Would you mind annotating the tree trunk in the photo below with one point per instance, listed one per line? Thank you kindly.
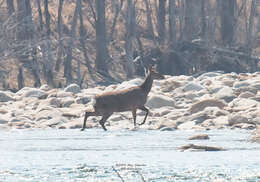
(118, 9)
(33, 44)
(60, 46)
(250, 34)
(227, 13)
(20, 78)
(172, 22)
(10, 7)
(49, 64)
(192, 13)
(203, 20)
(161, 20)
(149, 19)
(68, 65)
(130, 37)
(83, 33)
(102, 55)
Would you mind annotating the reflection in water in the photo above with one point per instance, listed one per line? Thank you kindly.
(94, 155)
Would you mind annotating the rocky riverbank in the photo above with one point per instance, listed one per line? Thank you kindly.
(212, 100)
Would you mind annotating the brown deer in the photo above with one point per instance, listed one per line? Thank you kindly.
(129, 99)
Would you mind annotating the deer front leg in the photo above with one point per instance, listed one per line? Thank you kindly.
(134, 116)
(147, 112)
(87, 114)
(104, 119)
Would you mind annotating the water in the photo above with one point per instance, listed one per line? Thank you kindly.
(143, 155)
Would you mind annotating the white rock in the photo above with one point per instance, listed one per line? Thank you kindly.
(237, 118)
(156, 101)
(225, 93)
(73, 88)
(32, 92)
(193, 86)
(187, 125)
(4, 97)
(240, 84)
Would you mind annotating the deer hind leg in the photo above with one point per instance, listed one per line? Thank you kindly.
(104, 119)
(87, 114)
(147, 112)
(134, 116)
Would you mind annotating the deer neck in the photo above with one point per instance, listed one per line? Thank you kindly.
(147, 84)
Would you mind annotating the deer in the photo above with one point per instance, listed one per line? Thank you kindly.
(129, 99)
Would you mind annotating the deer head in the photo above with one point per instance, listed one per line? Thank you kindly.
(154, 74)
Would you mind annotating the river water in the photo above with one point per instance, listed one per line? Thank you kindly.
(142, 155)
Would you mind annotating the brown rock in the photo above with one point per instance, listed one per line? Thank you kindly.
(199, 137)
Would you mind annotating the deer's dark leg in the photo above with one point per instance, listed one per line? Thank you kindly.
(147, 112)
(104, 119)
(134, 116)
(87, 114)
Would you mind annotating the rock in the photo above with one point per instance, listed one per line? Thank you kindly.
(62, 94)
(3, 121)
(237, 118)
(221, 121)
(54, 122)
(75, 124)
(225, 93)
(243, 104)
(45, 87)
(209, 74)
(200, 148)
(83, 100)
(4, 97)
(187, 125)
(167, 129)
(66, 102)
(240, 84)
(192, 87)
(245, 126)
(201, 105)
(157, 101)
(246, 95)
(52, 101)
(32, 92)
(73, 88)
(199, 137)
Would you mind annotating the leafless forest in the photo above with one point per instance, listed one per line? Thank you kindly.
(90, 42)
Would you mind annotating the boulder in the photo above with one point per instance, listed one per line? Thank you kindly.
(193, 147)
(225, 93)
(157, 101)
(66, 102)
(187, 125)
(246, 95)
(4, 97)
(199, 137)
(237, 118)
(201, 105)
(193, 86)
(32, 92)
(73, 88)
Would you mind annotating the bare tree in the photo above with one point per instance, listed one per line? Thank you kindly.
(60, 41)
(130, 26)
(149, 18)
(50, 61)
(118, 7)
(68, 65)
(161, 17)
(172, 21)
(227, 14)
(102, 55)
(10, 6)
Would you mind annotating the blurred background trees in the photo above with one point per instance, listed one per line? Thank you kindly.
(91, 42)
